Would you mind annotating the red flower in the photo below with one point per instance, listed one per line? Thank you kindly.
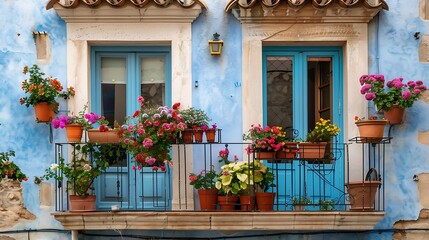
(176, 106)
(136, 113)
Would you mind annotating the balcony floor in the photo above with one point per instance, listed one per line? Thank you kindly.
(190, 220)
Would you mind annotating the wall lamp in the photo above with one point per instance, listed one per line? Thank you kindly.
(216, 45)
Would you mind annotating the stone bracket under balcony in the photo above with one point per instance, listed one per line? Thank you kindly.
(180, 220)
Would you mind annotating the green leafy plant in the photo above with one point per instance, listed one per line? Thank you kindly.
(42, 89)
(395, 92)
(239, 175)
(204, 180)
(303, 200)
(80, 172)
(323, 131)
(8, 169)
(326, 205)
(195, 118)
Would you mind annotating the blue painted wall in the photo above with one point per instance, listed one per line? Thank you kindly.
(393, 52)
(18, 129)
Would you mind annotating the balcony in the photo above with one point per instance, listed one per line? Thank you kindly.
(156, 200)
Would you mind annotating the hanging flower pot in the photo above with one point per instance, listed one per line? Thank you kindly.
(371, 130)
(198, 135)
(210, 135)
(362, 194)
(95, 135)
(44, 112)
(312, 149)
(265, 155)
(74, 132)
(395, 115)
(187, 136)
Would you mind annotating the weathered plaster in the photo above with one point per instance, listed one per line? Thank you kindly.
(12, 209)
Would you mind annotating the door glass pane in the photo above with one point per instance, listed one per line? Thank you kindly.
(113, 91)
(319, 89)
(279, 91)
(153, 80)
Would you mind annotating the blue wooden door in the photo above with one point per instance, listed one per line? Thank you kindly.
(119, 76)
(300, 86)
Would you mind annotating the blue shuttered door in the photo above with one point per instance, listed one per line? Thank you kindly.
(300, 86)
(119, 76)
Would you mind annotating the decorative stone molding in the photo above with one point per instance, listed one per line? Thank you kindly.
(262, 221)
(305, 11)
(129, 11)
(12, 208)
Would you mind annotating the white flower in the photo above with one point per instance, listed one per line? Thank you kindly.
(87, 167)
(54, 166)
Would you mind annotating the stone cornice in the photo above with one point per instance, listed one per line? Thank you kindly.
(304, 11)
(128, 13)
(285, 221)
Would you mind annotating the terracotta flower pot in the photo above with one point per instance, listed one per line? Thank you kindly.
(362, 194)
(395, 115)
(265, 201)
(208, 199)
(371, 130)
(187, 136)
(82, 203)
(247, 202)
(312, 150)
(74, 132)
(227, 203)
(95, 135)
(198, 136)
(265, 155)
(210, 135)
(43, 112)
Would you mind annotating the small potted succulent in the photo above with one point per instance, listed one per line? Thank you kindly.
(299, 203)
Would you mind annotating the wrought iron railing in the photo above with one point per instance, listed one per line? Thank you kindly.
(320, 181)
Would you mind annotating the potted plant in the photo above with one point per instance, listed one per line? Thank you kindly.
(363, 192)
(326, 205)
(393, 98)
(196, 119)
(42, 93)
(149, 133)
(235, 179)
(317, 139)
(102, 133)
(299, 203)
(74, 124)
(264, 180)
(204, 182)
(265, 141)
(79, 175)
(210, 132)
(9, 171)
(371, 130)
